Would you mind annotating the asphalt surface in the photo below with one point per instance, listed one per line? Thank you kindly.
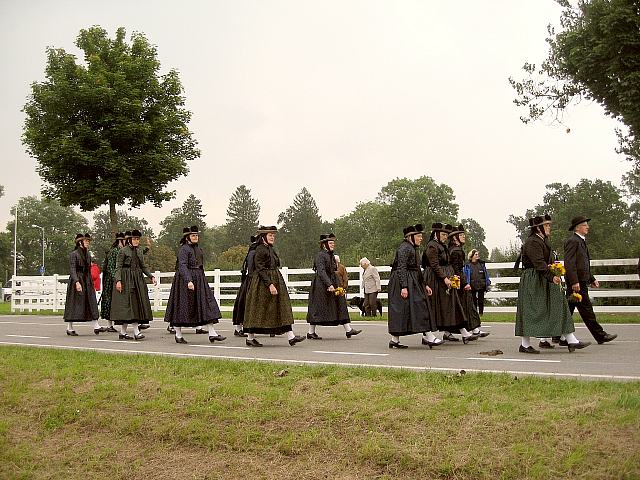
(617, 360)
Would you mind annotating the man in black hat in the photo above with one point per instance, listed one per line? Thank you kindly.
(579, 277)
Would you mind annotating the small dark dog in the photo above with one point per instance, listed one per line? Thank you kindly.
(359, 302)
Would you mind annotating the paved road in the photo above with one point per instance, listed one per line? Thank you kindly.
(618, 360)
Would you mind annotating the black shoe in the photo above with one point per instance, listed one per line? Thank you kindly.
(201, 331)
(253, 343)
(607, 338)
(124, 336)
(482, 334)
(144, 326)
(296, 339)
(140, 336)
(449, 336)
(545, 344)
(563, 343)
(577, 346)
(431, 344)
(555, 339)
(529, 349)
(352, 332)
(99, 330)
(240, 333)
(170, 329)
(469, 338)
(72, 333)
(180, 340)
(219, 338)
(393, 344)
(272, 335)
(111, 329)
(313, 336)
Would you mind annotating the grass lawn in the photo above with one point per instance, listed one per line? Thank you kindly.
(89, 415)
(5, 309)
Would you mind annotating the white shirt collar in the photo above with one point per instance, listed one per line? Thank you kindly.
(582, 237)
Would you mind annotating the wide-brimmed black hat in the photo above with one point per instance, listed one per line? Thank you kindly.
(135, 233)
(119, 236)
(127, 234)
(87, 236)
(412, 230)
(325, 237)
(457, 230)
(448, 228)
(575, 221)
(270, 229)
(438, 227)
(253, 238)
(539, 220)
(79, 236)
(186, 231)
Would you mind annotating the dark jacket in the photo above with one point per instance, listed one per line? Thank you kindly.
(536, 254)
(482, 267)
(576, 261)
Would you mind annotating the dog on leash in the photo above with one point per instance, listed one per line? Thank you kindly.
(359, 302)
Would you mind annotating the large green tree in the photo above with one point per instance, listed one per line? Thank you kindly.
(101, 232)
(595, 55)
(111, 130)
(60, 224)
(243, 213)
(190, 213)
(612, 232)
(301, 226)
(475, 236)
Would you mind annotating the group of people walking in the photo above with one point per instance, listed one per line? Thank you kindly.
(428, 292)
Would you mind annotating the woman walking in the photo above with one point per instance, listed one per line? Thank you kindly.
(191, 302)
(108, 273)
(130, 298)
(445, 301)
(326, 307)
(409, 311)
(542, 308)
(81, 304)
(241, 298)
(268, 307)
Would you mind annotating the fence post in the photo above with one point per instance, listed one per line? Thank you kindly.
(216, 283)
(55, 292)
(285, 274)
(157, 299)
(360, 287)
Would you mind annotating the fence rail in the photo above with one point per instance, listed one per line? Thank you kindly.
(29, 293)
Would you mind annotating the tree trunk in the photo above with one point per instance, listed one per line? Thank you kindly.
(113, 217)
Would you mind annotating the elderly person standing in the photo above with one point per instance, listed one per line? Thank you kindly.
(579, 277)
(370, 286)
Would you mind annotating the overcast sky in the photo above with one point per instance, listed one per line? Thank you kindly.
(336, 96)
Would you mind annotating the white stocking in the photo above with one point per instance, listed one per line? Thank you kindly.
(212, 330)
(178, 332)
(526, 343)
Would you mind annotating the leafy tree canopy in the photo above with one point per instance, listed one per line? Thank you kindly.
(232, 258)
(103, 238)
(594, 56)
(111, 130)
(242, 216)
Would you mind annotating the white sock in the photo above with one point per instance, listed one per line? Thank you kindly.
(212, 330)
(178, 332)
(251, 336)
(571, 338)
(465, 332)
(562, 337)
(546, 339)
(347, 327)
(238, 328)
(109, 323)
(69, 326)
(95, 324)
(395, 339)
(526, 343)
(290, 335)
(430, 336)
(136, 330)
(123, 329)
(312, 329)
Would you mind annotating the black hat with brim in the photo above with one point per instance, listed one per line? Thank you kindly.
(325, 237)
(413, 230)
(438, 227)
(575, 221)
(79, 236)
(135, 233)
(457, 230)
(539, 220)
(269, 229)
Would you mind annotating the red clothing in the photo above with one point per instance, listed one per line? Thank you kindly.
(95, 276)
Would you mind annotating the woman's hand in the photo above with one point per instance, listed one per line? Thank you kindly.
(78, 287)
(153, 280)
(404, 293)
(190, 286)
(467, 287)
(331, 289)
(556, 280)
(447, 282)
(119, 286)
(273, 290)
(429, 291)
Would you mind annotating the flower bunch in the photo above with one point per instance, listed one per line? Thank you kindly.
(339, 292)
(557, 268)
(455, 282)
(575, 297)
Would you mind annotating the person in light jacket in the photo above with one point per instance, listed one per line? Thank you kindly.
(370, 286)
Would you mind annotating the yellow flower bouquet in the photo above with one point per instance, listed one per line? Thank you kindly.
(557, 268)
(455, 282)
(339, 292)
(575, 297)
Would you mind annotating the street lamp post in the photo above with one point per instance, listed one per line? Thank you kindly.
(41, 266)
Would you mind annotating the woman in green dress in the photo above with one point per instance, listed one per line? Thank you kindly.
(542, 308)
(108, 272)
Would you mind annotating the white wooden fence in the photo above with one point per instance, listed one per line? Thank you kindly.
(31, 293)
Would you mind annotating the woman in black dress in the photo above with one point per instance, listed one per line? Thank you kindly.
(191, 301)
(241, 298)
(325, 307)
(108, 272)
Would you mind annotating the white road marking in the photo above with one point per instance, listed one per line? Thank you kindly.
(116, 341)
(352, 353)
(59, 324)
(526, 360)
(24, 336)
(220, 346)
(344, 364)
